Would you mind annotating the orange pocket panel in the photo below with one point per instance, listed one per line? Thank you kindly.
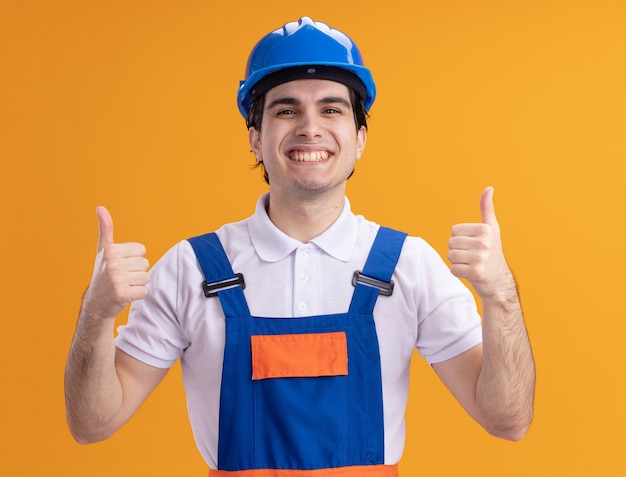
(299, 355)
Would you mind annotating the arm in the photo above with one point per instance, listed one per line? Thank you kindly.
(104, 386)
(495, 381)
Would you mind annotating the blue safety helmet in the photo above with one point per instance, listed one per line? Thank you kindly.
(304, 49)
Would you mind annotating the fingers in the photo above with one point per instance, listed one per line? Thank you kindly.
(126, 272)
(469, 254)
(469, 230)
(128, 279)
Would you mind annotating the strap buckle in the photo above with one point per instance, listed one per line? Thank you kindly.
(384, 288)
(211, 289)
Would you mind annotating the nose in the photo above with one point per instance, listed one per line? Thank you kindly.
(309, 125)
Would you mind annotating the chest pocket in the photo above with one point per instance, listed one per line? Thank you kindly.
(299, 355)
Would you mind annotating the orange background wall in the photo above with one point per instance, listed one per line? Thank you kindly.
(131, 104)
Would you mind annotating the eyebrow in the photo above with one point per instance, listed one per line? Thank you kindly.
(290, 101)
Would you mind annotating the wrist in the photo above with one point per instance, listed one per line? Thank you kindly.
(93, 311)
(504, 295)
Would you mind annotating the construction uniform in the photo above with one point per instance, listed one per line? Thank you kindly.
(310, 388)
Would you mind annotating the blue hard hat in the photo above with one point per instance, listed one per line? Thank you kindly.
(304, 49)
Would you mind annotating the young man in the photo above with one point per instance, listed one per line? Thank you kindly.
(295, 327)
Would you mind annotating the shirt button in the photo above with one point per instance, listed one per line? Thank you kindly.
(304, 278)
(302, 307)
(304, 254)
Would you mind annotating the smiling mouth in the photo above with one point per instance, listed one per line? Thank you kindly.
(308, 156)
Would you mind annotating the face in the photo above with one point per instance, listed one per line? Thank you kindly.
(308, 141)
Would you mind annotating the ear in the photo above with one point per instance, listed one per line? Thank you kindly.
(254, 139)
(361, 139)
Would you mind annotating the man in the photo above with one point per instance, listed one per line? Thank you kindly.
(295, 327)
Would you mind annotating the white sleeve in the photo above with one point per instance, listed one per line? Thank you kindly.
(153, 333)
(448, 320)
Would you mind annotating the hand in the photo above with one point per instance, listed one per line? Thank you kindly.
(120, 272)
(476, 253)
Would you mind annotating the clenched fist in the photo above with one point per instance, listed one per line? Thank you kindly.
(475, 253)
(120, 272)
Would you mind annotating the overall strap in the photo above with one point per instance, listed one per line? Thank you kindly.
(375, 278)
(219, 277)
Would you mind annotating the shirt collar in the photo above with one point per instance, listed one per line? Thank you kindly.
(273, 245)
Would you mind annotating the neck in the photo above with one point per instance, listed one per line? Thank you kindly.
(304, 220)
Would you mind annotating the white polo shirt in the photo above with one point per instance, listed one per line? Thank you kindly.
(430, 309)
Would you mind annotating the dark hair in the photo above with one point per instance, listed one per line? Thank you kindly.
(255, 118)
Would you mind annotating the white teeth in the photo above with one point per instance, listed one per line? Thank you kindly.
(315, 156)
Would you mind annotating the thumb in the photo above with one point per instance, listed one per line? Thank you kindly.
(105, 228)
(487, 209)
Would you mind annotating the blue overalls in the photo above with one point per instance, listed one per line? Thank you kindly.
(301, 396)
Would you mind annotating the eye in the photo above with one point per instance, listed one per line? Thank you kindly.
(285, 112)
(332, 111)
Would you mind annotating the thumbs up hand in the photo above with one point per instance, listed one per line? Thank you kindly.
(475, 253)
(120, 272)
